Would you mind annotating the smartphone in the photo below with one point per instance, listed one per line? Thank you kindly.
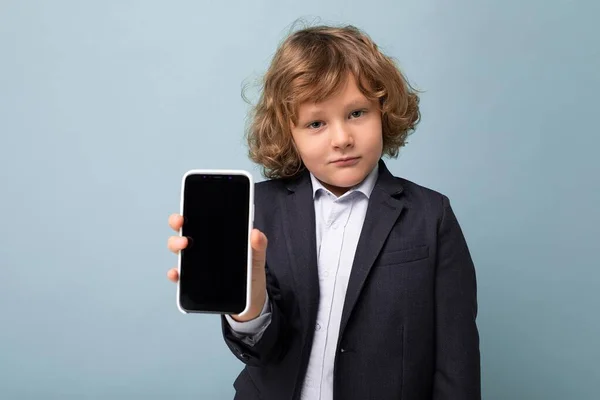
(215, 269)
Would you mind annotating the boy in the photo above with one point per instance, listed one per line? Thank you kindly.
(366, 289)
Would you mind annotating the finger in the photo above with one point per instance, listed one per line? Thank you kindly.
(259, 242)
(173, 275)
(175, 222)
(177, 243)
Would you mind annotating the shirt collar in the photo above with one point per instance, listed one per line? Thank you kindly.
(365, 187)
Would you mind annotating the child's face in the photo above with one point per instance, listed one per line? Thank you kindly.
(340, 139)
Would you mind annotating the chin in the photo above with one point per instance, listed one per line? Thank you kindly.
(350, 180)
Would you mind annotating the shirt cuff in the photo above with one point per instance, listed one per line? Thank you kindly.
(251, 331)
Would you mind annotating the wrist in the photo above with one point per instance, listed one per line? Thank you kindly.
(255, 310)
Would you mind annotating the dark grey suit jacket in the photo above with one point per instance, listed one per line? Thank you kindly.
(408, 328)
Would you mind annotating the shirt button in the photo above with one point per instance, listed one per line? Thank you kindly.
(317, 327)
(326, 274)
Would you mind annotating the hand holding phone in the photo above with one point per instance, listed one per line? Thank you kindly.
(258, 241)
(221, 259)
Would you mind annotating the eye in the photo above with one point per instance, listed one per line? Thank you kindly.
(357, 113)
(315, 125)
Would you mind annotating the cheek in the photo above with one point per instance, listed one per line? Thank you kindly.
(374, 138)
(378, 135)
(380, 141)
(308, 149)
(310, 143)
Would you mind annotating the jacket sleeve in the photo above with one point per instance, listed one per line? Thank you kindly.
(457, 373)
(270, 344)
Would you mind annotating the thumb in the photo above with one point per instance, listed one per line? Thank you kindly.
(258, 241)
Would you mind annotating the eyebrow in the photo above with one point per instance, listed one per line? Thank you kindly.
(358, 103)
(315, 112)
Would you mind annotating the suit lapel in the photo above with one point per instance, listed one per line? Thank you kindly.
(299, 229)
(384, 209)
(298, 215)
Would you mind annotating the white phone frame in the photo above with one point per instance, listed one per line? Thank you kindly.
(250, 226)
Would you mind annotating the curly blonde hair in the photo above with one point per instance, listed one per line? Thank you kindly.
(312, 64)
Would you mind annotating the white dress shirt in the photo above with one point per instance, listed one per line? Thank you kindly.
(339, 221)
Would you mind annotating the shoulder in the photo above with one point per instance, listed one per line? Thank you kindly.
(267, 193)
(423, 197)
(270, 187)
(267, 201)
(414, 189)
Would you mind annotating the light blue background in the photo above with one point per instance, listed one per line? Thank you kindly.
(104, 105)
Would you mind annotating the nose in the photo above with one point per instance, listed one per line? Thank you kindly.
(341, 137)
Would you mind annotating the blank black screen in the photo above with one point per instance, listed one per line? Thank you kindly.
(214, 268)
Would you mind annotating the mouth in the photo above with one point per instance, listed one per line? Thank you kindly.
(345, 160)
